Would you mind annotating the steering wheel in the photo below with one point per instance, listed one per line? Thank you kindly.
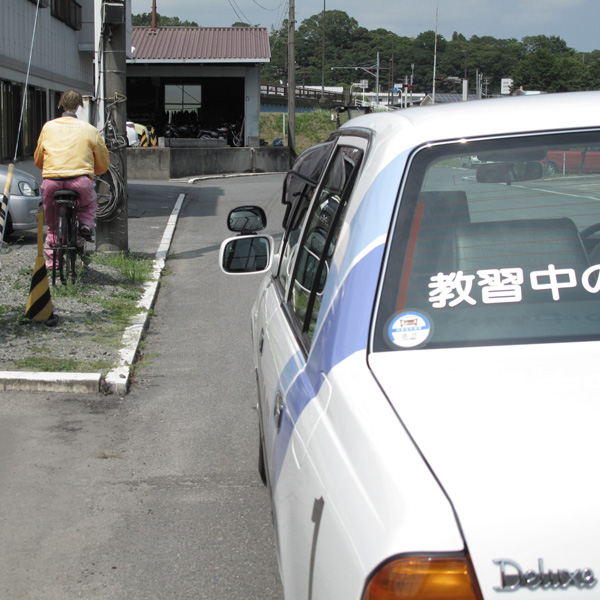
(594, 250)
(588, 231)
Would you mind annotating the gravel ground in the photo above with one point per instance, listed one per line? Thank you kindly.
(85, 331)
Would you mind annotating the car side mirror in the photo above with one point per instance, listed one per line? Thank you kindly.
(246, 254)
(247, 219)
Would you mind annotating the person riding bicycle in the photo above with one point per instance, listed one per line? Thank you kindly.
(70, 152)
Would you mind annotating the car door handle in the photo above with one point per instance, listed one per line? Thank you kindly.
(261, 341)
(278, 409)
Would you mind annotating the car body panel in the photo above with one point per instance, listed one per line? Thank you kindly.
(507, 464)
(336, 456)
(575, 160)
(487, 450)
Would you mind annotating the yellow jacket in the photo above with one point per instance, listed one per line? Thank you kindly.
(68, 147)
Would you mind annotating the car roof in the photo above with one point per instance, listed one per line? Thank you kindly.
(511, 115)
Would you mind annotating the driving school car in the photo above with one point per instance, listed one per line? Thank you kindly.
(426, 345)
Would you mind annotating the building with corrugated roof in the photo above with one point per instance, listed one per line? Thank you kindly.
(184, 79)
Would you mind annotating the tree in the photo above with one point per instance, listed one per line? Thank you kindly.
(553, 43)
(538, 71)
(276, 70)
(341, 33)
(494, 59)
(537, 62)
(145, 20)
(592, 78)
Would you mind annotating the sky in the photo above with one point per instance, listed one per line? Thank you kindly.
(577, 22)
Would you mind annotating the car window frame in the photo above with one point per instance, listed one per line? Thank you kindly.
(293, 221)
(301, 326)
(406, 205)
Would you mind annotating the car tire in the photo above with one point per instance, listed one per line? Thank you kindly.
(8, 226)
(552, 168)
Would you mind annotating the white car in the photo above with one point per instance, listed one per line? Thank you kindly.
(426, 343)
(24, 202)
(133, 139)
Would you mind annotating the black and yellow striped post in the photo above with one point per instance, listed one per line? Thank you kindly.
(39, 302)
(153, 136)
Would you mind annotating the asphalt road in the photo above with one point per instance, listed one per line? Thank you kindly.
(154, 495)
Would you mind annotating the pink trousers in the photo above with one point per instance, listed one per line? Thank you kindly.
(87, 205)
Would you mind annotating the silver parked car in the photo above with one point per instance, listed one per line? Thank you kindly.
(25, 200)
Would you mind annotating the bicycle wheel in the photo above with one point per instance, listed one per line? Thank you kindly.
(67, 244)
(72, 248)
(63, 242)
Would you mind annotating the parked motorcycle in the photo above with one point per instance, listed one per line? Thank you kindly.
(211, 134)
(232, 134)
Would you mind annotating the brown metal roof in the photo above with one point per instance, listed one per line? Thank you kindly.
(200, 44)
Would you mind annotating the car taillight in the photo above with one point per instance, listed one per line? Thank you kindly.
(424, 578)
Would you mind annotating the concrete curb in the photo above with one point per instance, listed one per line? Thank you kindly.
(50, 382)
(198, 178)
(118, 379)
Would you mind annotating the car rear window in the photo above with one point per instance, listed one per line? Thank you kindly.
(504, 251)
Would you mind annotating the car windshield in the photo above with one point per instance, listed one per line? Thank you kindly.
(505, 251)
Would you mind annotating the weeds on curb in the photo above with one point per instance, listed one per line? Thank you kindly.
(93, 315)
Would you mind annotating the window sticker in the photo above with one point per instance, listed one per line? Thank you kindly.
(500, 286)
(409, 330)
(452, 289)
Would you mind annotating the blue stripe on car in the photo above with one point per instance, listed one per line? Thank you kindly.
(344, 331)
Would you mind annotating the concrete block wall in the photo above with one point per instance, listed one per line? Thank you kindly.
(176, 163)
(149, 163)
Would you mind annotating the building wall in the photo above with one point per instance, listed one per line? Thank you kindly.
(57, 63)
(156, 73)
(252, 106)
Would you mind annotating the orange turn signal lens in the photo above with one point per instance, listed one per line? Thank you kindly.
(424, 578)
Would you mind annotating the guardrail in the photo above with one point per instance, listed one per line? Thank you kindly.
(302, 92)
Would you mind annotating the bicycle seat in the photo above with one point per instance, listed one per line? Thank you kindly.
(65, 196)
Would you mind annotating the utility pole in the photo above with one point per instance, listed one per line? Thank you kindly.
(435, 53)
(323, 58)
(368, 70)
(392, 71)
(112, 233)
(377, 83)
(292, 77)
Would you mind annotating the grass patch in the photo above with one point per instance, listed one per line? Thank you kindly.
(121, 307)
(60, 365)
(93, 314)
(134, 268)
(311, 128)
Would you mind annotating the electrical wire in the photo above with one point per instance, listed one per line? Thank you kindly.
(6, 201)
(112, 187)
(270, 9)
(37, 10)
(236, 8)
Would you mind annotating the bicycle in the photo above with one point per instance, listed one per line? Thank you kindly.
(65, 252)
